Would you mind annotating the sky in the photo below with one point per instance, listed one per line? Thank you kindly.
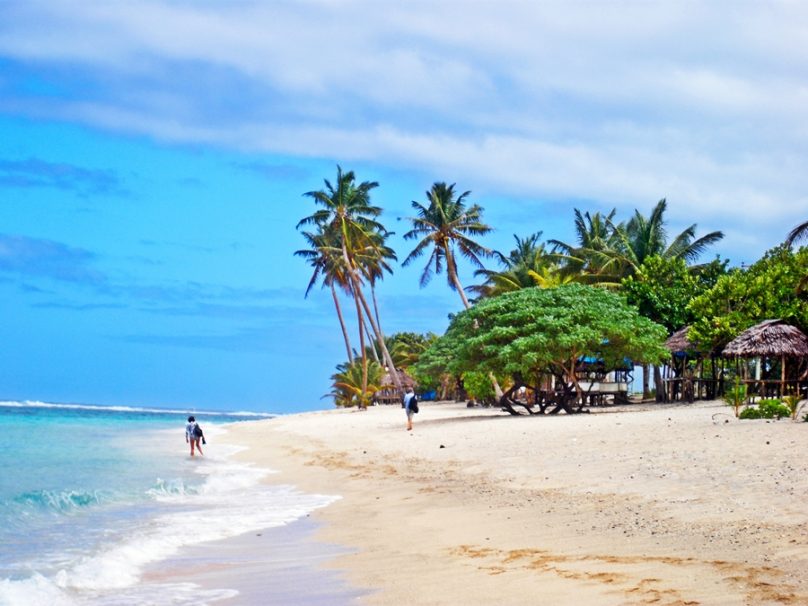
(154, 157)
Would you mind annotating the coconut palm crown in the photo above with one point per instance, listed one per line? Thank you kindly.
(444, 226)
(799, 232)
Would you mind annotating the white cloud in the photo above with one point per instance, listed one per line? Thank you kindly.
(623, 102)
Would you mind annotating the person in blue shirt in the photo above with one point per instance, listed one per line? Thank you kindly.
(408, 397)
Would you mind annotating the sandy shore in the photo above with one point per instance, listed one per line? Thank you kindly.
(667, 505)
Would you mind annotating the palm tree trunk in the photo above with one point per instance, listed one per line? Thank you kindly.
(371, 344)
(375, 304)
(342, 324)
(646, 392)
(456, 281)
(661, 396)
(360, 322)
(357, 290)
(382, 346)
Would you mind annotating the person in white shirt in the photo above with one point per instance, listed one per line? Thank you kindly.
(193, 433)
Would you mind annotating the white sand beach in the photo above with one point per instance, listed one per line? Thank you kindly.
(668, 505)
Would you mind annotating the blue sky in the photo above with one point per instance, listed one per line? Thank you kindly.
(154, 155)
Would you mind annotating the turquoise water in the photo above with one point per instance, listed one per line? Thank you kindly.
(91, 496)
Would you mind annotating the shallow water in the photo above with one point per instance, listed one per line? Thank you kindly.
(90, 497)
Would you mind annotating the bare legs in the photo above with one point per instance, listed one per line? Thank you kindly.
(195, 443)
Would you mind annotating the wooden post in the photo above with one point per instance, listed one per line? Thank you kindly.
(782, 375)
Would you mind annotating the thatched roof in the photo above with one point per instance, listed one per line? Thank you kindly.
(769, 338)
(406, 380)
(678, 343)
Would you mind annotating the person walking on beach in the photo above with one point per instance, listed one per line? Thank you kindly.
(193, 434)
(410, 406)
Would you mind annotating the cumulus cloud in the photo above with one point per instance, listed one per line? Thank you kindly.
(623, 102)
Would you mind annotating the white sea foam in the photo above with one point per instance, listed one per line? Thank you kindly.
(134, 409)
(232, 500)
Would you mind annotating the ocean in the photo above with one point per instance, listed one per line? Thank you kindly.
(93, 496)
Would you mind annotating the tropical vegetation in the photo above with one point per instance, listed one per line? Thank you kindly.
(615, 292)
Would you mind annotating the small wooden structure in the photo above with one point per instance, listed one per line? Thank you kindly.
(601, 385)
(775, 346)
(680, 382)
(389, 394)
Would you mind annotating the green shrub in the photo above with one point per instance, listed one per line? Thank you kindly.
(735, 396)
(766, 409)
(479, 386)
(793, 403)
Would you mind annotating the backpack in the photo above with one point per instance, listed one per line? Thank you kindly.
(414, 404)
(197, 431)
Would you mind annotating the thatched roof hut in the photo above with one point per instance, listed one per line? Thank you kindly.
(773, 339)
(769, 338)
(679, 344)
(406, 380)
(389, 394)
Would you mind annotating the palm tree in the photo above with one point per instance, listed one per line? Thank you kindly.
(609, 252)
(588, 260)
(528, 265)
(373, 263)
(643, 237)
(443, 226)
(353, 385)
(348, 219)
(799, 232)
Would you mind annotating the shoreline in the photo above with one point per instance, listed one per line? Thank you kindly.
(674, 504)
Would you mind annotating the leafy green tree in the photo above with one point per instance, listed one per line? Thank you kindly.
(741, 299)
(445, 227)
(407, 347)
(536, 331)
(479, 387)
(662, 289)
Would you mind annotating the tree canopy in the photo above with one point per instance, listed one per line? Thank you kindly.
(536, 330)
(770, 288)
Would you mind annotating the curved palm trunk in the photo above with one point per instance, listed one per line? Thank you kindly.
(382, 346)
(357, 290)
(361, 322)
(371, 344)
(376, 314)
(342, 324)
(456, 281)
(375, 303)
